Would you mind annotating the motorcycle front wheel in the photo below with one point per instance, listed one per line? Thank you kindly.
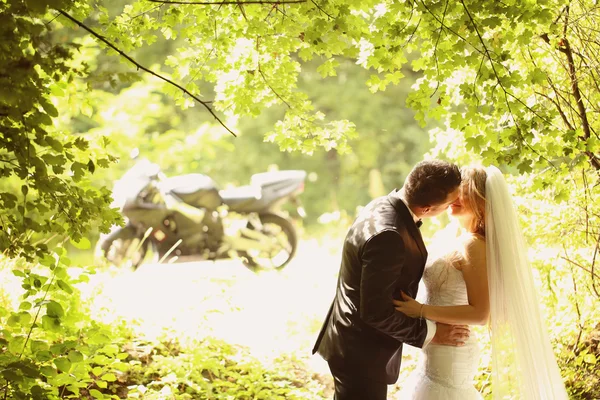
(283, 248)
(130, 252)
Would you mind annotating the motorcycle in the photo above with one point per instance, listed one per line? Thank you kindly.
(188, 215)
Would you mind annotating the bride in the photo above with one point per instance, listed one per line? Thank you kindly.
(484, 279)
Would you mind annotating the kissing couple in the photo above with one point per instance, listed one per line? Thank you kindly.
(479, 276)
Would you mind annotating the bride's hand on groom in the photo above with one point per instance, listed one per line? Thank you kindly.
(451, 335)
(409, 307)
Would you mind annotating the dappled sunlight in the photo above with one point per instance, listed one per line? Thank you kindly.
(270, 312)
(350, 95)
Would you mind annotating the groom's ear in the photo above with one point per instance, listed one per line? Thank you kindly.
(424, 209)
(421, 210)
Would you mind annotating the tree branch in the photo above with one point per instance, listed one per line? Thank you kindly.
(565, 47)
(271, 87)
(413, 33)
(139, 66)
(321, 9)
(145, 12)
(475, 80)
(37, 314)
(555, 102)
(592, 267)
(233, 2)
(11, 162)
(559, 108)
(586, 192)
(594, 274)
(437, 66)
(241, 7)
(486, 52)
(575, 87)
(571, 109)
(450, 29)
(581, 324)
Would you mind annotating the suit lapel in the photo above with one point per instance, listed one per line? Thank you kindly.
(406, 217)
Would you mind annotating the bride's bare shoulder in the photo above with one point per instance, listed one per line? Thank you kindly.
(474, 251)
(474, 239)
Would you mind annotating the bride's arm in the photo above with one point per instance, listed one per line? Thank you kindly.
(475, 275)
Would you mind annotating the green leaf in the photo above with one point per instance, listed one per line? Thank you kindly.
(63, 364)
(54, 310)
(49, 108)
(38, 393)
(37, 6)
(81, 144)
(48, 260)
(11, 375)
(97, 338)
(82, 244)
(55, 144)
(24, 318)
(50, 323)
(38, 345)
(57, 348)
(109, 377)
(590, 358)
(328, 68)
(102, 384)
(64, 286)
(48, 371)
(101, 359)
(13, 321)
(27, 368)
(16, 344)
(95, 393)
(525, 167)
(75, 356)
(110, 350)
(44, 355)
(86, 108)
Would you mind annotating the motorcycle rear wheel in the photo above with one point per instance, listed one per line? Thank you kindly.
(280, 228)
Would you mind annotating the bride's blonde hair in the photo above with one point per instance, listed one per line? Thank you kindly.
(472, 194)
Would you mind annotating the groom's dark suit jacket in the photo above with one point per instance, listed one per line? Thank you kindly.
(383, 255)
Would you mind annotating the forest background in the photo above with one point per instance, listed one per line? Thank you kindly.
(353, 92)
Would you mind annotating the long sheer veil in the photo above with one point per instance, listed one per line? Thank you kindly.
(523, 363)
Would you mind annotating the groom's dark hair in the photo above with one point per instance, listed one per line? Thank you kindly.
(430, 182)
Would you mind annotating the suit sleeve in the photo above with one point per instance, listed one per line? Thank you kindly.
(383, 260)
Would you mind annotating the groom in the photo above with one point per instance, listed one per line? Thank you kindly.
(383, 255)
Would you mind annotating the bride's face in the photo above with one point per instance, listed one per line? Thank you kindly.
(458, 209)
(469, 209)
(437, 209)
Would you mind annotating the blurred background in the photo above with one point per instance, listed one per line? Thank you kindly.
(190, 328)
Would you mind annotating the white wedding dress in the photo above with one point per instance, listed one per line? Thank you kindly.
(444, 372)
(523, 363)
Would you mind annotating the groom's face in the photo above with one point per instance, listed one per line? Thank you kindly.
(437, 209)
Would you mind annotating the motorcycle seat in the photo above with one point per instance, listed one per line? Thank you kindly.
(240, 195)
(195, 189)
(275, 177)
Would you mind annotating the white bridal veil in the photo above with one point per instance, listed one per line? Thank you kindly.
(523, 362)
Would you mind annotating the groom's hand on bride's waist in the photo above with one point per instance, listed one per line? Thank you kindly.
(451, 335)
